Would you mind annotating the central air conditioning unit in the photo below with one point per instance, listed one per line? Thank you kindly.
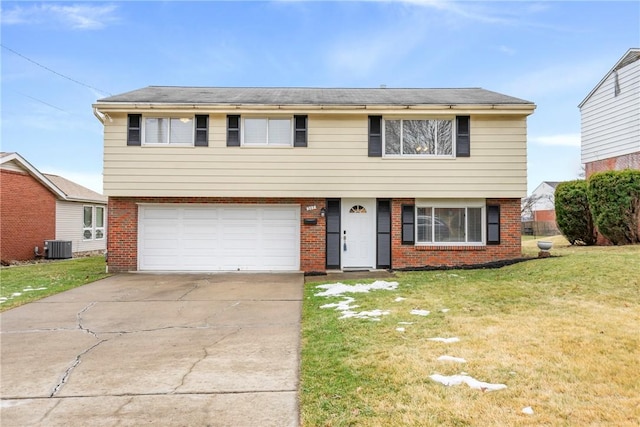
(57, 249)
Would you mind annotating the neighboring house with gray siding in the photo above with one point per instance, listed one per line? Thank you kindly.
(80, 216)
(610, 118)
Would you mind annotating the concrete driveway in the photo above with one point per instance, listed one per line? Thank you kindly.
(151, 349)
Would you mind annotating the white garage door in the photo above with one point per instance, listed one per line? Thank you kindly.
(221, 237)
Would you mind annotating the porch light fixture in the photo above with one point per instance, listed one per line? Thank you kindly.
(323, 212)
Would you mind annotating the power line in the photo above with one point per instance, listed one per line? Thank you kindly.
(41, 101)
(54, 72)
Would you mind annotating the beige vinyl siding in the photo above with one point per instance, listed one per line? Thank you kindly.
(611, 124)
(335, 164)
(69, 227)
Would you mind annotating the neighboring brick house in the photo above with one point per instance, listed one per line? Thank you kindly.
(35, 207)
(610, 117)
(312, 179)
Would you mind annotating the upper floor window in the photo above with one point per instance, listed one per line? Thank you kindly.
(164, 130)
(418, 137)
(267, 131)
(191, 130)
(93, 223)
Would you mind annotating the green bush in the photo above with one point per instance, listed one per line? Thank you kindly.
(614, 198)
(573, 214)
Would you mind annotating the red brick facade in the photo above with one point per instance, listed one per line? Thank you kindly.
(408, 256)
(27, 216)
(628, 161)
(123, 234)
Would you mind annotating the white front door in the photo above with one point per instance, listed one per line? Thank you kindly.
(358, 233)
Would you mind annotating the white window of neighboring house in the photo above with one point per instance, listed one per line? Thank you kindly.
(99, 223)
(267, 131)
(93, 223)
(166, 130)
(438, 223)
(433, 137)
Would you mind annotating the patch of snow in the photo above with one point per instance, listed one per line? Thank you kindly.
(373, 314)
(338, 289)
(342, 305)
(444, 310)
(16, 294)
(446, 358)
(470, 381)
(420, 312)
(453, 275)
(445, 340)
(405, 323)
(399, 299)
(400, 329)
(32, 289)
(528, 410)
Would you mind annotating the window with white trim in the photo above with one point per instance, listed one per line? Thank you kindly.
(168, 130)
(265, 131)
(429, 137)
(454, 223)
(93, 223)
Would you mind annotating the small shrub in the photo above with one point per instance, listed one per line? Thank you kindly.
(614, 198)
(573, 214)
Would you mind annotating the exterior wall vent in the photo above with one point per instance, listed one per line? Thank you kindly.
(57, 249)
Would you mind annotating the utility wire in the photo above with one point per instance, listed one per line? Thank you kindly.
(41, 101)
(53, 71)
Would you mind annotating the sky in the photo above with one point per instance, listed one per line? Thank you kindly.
(58, 58)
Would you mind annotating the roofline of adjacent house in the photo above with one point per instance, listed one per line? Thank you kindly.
(614, 68)
(35, 173)
(39, 176)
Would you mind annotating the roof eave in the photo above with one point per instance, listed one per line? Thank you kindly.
(105, 107)
(36, 174)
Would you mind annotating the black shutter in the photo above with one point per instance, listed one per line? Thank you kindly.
(134, 129)
(408, 224)
(333, 233)
(202, 131)
(383, 234)
(493, 224)
(233, 131)
(300, 133)
(375, 136)
(463, 136)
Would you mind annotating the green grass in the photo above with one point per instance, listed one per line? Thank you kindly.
(561, 333)
(25, 283)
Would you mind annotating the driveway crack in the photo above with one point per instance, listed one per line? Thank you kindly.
(70, 369)
(195, 286)
(204, 356)
(79, 320)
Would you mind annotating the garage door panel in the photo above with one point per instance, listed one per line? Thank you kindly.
(219, 237)
(163, 213)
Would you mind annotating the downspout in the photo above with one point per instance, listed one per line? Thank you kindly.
(98, 115)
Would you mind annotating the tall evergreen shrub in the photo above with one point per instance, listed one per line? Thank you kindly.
(573, 215)
(614, 198)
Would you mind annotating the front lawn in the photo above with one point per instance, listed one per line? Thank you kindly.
(552, 341)
(25, 283)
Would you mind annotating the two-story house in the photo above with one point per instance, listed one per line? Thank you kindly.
(610, 119)
(311, 179)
